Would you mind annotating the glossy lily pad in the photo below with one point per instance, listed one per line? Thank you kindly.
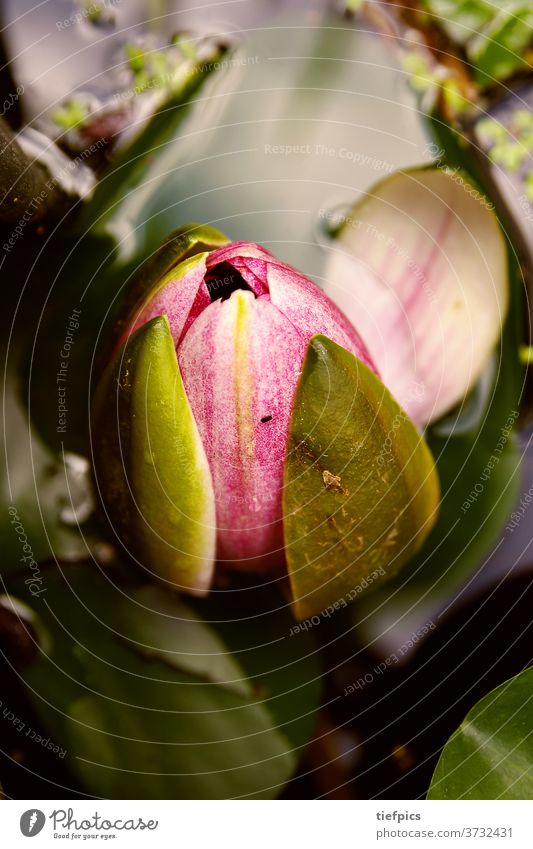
(360, 490)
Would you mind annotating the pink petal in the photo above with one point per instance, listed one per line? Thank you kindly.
(421, 269)
(240, 362)
(240, 358)
(312, 311)
(182, 297)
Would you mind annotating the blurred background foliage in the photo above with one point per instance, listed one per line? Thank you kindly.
(151, 696)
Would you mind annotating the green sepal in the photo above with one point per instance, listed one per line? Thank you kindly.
(360, 487)
(151, 470)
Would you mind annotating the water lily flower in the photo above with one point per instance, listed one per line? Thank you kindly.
(242, 423)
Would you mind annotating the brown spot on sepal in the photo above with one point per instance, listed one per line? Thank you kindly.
(334, 482)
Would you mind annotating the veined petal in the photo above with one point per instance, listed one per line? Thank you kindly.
(169, 263)
(313, 312)
(248, 259)
(237, 250)
(181, 296)
(421, 270)
(303, 303)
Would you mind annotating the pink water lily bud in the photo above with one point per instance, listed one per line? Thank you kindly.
(241, 321)
(241, 422)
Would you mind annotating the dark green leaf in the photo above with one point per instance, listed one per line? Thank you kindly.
(150, 703)
(491, 755)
